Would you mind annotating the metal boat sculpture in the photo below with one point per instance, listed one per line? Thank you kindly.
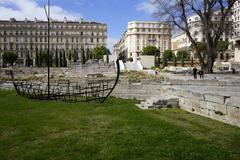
(66, 90)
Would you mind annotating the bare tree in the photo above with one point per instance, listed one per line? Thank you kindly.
(177, 12)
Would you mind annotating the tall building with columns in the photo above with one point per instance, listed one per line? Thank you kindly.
(27, 37)
(140, 34)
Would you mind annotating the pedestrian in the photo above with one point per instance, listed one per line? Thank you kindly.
(195, 72)
(201, 74)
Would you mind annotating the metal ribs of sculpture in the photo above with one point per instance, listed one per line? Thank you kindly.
(66, 90)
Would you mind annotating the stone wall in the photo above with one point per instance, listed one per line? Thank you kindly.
(215, 100)
(138, 90)
(222, 107)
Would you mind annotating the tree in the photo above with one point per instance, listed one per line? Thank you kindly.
(9, 57)
(98, 52)
(88, 54)
(75, 55)
(177, 13)
(43, 58)
(222, 46)
(202, 47)
(83, 56)
(130, 59)
(174, 61)
(122, 56)
(192, 62)
(150, 50)
(168, 55)
(165, 62)
(37, 59)
(28, 59)
(181, 54)
(64, 59)
(183, 60)
(56, 58)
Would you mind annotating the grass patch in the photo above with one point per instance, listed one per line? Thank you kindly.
(114, 130)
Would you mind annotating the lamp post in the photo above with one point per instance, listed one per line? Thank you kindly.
(48, 18)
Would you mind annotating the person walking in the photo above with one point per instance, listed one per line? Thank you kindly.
(201, 74)
(195, 72)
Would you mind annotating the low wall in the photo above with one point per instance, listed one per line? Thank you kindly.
(221, 107)
(138, 90)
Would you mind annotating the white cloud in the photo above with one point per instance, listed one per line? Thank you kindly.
(21, 9)
(111, 42)
(147, 7)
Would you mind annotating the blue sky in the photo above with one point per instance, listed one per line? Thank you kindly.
(116, 13)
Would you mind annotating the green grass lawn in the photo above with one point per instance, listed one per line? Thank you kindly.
(42, 130)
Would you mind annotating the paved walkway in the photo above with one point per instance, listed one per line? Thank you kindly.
(228, 76)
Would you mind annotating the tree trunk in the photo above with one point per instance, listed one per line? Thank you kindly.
(211, 58)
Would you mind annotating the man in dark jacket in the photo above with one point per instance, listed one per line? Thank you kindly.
(195, 73)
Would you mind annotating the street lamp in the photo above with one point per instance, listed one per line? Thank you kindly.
(48, 18)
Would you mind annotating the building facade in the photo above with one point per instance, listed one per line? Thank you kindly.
(236, 30)
(28, 37)
(182, 42)
(140, 34)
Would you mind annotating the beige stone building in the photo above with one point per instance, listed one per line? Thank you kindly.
(236, 30)
(181, 41)
(140, 34)
(26, 37)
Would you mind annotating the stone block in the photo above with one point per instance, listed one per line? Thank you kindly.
(220, 109)
(216, 115)
(205, 111)
(191, 105)
(234, 101)
(215, 98)
(210, 105)
(234, 113)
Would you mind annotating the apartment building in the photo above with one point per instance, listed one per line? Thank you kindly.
(27, 37)
(182, 42)
(236, 30)
(140, 34)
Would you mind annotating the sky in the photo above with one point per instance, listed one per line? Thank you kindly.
(115, 13)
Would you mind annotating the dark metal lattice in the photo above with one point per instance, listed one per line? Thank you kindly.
(66, 90)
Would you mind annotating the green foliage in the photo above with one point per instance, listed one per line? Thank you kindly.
(83, 56)
(183, 60)
(64, 59)
(202, 46)
(75, 55)
(37, 58)
(98, 52)
(174, 60)
(222, 46)
(123, 56)
(56, 58)
(182, 54)
(168, 55)
(150, 50)
(130, 59)
(164, 62)
(43, 58)
(88, 53)
(28, 60)
(9, 57)
(107, 58)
